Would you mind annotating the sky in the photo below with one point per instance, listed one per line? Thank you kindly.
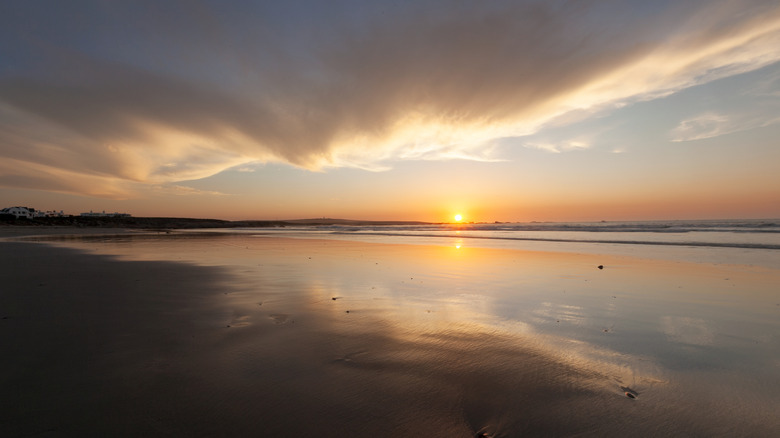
(380, 110)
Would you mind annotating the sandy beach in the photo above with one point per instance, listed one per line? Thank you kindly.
(190, 334)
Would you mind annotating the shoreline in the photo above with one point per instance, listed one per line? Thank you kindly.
(737, 255)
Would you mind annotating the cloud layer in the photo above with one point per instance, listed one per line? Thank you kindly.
(116, 97)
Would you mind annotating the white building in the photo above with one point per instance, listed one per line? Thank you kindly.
(29, 213)
(19, 212)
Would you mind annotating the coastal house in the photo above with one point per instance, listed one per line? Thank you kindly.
(19, 212)
(29, 213)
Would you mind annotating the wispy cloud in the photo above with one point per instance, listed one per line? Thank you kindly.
(423, 81)
(245, 169)
(31, 175)
(558, 147)
(710, 125)
(179, 190)
(704, 126)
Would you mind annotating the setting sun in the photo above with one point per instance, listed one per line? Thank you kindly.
(458, 218)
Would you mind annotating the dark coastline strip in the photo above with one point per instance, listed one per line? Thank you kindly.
(162, 223)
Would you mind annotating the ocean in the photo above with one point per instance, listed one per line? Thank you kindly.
(751, 242)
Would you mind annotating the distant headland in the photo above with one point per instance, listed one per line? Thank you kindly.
(152, 223)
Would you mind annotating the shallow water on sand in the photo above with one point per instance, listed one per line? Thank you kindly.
(311, 337)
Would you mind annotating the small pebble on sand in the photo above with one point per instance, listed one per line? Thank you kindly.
(630, 393)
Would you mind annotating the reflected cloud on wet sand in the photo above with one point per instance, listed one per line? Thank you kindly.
(447, 341)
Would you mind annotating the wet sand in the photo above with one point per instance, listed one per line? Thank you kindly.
(219, 335)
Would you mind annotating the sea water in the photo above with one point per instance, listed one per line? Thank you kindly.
(750, 242)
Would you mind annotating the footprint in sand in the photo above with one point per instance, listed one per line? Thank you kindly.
(279, 318)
